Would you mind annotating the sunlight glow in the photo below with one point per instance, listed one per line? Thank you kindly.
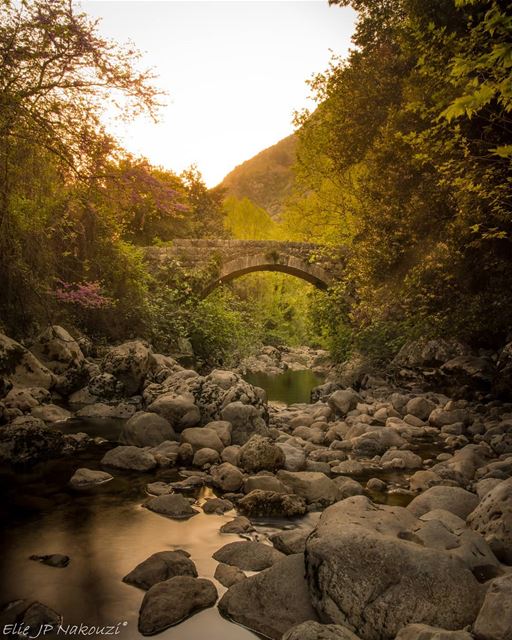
(234, 72)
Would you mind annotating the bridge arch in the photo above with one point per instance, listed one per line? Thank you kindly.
(273, 261)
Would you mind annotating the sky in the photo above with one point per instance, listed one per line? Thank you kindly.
(235, 71)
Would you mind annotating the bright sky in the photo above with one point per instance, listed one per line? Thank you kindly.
(234, 71)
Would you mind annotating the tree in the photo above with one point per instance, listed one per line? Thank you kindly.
(56, 77)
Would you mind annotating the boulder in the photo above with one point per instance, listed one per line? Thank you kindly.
(420, 407)
(179, 410)
(343, 401)
(401, 459)
(223, 430)
(130, 458)
(311, 630)
(228, 575)
(201, 438)
(129, 363)
(26, 398)
(259, 454)
(58, 350)
(289, 542)
(231, 454)
(247, 555)
(22, 367)
(314, 487)
(172, 505)
(85, 478)
(294, 457)
(264, 482)
(51, 413)
(27, 440)
(272, 601)
(347, 487)
(104, 385)
(159, 567)
(145, 429)
(205, 456)
(453, 499)
(245, 420)
(227, 477)
(494, 621)
(240, 524)
(261, 504)
(426, 632)
(428, 353)
(359, 548)
(376, 442)
(217, 505)
(172, 601)
(492, 518)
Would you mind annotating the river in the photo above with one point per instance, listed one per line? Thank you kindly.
(106, 531)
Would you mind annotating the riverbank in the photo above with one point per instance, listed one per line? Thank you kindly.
(378, 509)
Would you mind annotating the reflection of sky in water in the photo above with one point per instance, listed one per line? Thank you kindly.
(105, 542)
(289, 387)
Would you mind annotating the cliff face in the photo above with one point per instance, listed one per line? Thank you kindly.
(267, 178)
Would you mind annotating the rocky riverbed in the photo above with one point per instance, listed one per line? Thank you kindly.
(380, 511)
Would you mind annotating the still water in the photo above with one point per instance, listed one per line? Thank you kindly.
(106, 531)
(289, 387)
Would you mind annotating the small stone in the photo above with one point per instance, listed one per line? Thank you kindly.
(53, 560)
(159, 567)
(84, 478)
(172, 505)
(249, 556)
(217, 505)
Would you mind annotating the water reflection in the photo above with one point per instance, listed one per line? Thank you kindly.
(289, 387)
(106, 532)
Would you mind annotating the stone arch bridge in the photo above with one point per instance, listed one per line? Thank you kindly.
(234, 258)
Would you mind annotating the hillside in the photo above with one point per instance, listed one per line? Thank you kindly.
(267, 178)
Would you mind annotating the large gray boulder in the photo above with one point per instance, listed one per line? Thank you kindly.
(246, 420)
(129, 458)
(145, 429)
(201, 438)
(259, 454)
(58, 350)
(247, 555)
(227, 477)
(272, 601)
(494, 620)
(21, 367)
(129, 363)
(170, 602)
(27, 440)
(453, 499)
(315, 487)
(179, 410)
(426, 632)
(311, 630)
(159, 567)
(343, 401)
(221, 388)
(359, 548)
(294, 457)
(492, 518)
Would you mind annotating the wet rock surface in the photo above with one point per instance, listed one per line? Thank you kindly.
(410, 472)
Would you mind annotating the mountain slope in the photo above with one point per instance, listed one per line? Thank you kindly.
(267, 178)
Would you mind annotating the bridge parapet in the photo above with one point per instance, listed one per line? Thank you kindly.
(234, 258)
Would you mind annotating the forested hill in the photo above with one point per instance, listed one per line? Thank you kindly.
(267, 178)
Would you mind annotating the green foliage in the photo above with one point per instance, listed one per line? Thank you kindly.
(407, 160)
(244, 220)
